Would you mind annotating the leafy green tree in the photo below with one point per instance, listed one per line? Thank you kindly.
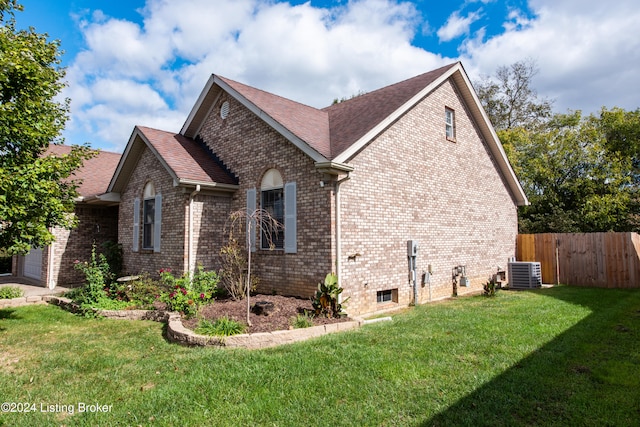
(621, 130)
(509, 99)
(36, 191)
(573, 181)
(580, 174)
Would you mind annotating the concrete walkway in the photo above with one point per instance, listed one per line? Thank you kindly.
(29, 289)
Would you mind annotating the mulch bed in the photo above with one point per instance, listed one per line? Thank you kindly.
(285, 310)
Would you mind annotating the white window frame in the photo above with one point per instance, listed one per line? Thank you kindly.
(450, 123)
(148, 218)
(151, 218)
(272, 201)
(273, 189)
(386, 296)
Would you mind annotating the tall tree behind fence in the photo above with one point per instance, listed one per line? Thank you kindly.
(606, 260)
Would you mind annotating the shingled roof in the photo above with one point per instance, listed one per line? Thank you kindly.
(350, 120)
(331, 130)
(307, 123)
(187, 161)
(96, 172)
(330, 136)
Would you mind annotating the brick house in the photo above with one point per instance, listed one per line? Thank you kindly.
(351, 183)
(97, 216)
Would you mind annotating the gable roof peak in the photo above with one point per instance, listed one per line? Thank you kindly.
(352, 120)
(415, 81)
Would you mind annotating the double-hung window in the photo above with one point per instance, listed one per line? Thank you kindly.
(148, 216)
(278, 202)
(272, 202)
(151, 219)
(450, 123)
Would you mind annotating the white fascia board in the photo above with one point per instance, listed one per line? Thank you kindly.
(380, 127)
(206, 185)
(481, 117)
(123, 159)
(100, 199)
(494, 143)
(333, 168)
(198, 104)
(317, 157)
(137, 138)
(109, 197)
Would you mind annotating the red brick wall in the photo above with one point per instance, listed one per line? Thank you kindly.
(210, 215)
(413, 183)
(249, 148)
(409, 183)
(96, 225)
(174, 217)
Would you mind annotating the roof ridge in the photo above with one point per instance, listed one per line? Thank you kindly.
(266, 92)
(352, 119)
(388, 87)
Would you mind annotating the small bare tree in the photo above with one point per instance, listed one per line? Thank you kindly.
(237, 259)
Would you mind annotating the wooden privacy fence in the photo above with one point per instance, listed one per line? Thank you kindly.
(606, 260)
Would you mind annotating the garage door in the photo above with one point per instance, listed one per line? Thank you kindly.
(33, 264)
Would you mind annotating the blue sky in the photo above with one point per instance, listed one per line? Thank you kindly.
(144, 62)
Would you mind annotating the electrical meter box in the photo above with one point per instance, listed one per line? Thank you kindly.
(412, 248)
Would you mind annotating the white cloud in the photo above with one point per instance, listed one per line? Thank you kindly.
(587, 51)
(130, 73)
(457, 26)
(151, 73)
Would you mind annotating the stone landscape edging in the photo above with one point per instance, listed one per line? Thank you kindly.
(20, 301)
(176, 332)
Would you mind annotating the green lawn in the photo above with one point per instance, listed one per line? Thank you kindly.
(560, 356)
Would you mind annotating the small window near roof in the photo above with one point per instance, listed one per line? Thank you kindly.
(450, 124)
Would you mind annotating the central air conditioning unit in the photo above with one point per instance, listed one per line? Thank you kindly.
(524, 275)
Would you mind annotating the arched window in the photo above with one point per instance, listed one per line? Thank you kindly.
(151, 219)
(272, 201)
(148, 216)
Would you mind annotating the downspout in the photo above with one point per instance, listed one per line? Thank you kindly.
(190, 263)
(50, 279)
(339, 227)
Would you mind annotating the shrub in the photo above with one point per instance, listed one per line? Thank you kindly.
(9, 292)
(326, 300)
(181, 300)
(97, 275)
(301, 321)
(490, 289)
(114, 256)
(141, 293)
(234, 269)
(185, 295)
(205, 283)
(222, 326)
